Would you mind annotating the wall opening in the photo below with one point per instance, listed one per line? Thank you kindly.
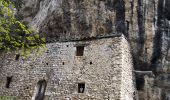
(91, 63)
(8, 81)
(79, 50)
(40, 90)
(17, 57)
(140, 83)
(81, 87)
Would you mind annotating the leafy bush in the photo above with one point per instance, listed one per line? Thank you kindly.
(14, 35)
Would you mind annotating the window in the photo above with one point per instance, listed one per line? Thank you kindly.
(17, 57)
(140, 83)
(8, 81)
(91, 63)
(40, 90)
(81, 87)
(79, 50)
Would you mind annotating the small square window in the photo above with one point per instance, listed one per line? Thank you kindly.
(81, 87)
(79, 50)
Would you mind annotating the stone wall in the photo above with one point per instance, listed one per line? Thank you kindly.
(127, 84)
(146, 23)
(102, 68)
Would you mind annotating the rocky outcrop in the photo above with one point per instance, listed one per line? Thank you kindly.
(145, 23)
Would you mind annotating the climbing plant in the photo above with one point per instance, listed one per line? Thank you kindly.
(14, 35)
(8, 98)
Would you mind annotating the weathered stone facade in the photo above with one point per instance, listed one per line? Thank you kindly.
(105, 68)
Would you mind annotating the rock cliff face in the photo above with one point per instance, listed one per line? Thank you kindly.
(145, 23)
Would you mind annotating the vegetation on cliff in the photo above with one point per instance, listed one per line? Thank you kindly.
(14, 35)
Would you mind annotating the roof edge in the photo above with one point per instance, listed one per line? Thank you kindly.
(87, 38)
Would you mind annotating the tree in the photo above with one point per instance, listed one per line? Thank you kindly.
(14, 35)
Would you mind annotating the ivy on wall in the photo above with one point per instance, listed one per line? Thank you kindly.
(8, 98)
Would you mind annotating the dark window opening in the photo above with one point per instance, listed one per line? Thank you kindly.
(17, 57)
(8, 81)
(140, 83)
(81, 87)
(63, 63)
(79, 50)
(65, 31)
(91, 63)
(46, 63)
(41, 86)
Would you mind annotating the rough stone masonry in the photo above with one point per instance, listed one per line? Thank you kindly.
(93, 69)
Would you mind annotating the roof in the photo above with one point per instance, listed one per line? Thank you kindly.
(85, 38)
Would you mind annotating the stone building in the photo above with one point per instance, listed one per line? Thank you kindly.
(89, 69)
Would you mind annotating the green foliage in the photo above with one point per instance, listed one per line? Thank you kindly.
(14, 35)
(8, 98)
